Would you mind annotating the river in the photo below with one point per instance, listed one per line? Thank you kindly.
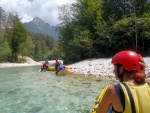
(25, 90)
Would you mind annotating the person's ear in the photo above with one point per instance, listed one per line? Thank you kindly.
(121, 69)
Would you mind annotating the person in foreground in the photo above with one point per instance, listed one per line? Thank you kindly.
(132, 94)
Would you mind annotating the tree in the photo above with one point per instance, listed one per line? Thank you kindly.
(19, 35)
(0, 17)
(82, 43)
(113, 10)
(127, 13)
(124, 33)
(80, 28)
(5, 50)
(26, 48)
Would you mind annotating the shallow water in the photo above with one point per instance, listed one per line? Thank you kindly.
(25, 90)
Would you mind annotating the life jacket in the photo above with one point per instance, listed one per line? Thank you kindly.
(61, 66)
(44, 64)
(136, 98)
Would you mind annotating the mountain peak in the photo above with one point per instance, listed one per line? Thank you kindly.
(38, 20)
(37, 25)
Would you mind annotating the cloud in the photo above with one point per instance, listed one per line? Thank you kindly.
(47, 10)
(30, 0)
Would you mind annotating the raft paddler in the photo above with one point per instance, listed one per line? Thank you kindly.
(45, 65)
(56, 64)
(60, 67)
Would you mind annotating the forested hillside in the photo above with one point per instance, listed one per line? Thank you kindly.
(16, 40)
(100, 28)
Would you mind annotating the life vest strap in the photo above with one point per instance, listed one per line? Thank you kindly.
(120, 93)
(148, 84)
(130, 98)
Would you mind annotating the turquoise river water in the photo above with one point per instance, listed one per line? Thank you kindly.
(25, 90)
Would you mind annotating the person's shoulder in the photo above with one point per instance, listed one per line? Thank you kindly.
(148, 80)
(109, 94)
(110, 90)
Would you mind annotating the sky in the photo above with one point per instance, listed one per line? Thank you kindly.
(47, 10)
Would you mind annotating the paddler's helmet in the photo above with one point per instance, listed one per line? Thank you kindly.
(46, 60)
(128, 59)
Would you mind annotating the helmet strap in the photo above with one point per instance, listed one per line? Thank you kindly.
(120, 75)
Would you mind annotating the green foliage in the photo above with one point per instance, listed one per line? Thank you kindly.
(145, 25)
(19, 34)
(26, 48)
(43, 44)
(5, 50)
(78, 33)
(113, 10)
(15, 41)
(125, 31)
(55, 53)
(99, 28)
(82, 43)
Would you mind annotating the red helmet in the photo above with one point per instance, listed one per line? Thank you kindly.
(129, 59)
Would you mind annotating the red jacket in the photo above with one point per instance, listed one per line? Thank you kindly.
(56, 63)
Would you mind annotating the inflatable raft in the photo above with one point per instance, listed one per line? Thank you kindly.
(53, 69)
(98, 100)
(61, 72)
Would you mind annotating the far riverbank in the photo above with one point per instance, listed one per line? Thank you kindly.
(91, 67)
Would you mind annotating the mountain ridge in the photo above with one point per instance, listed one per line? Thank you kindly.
(37, 25)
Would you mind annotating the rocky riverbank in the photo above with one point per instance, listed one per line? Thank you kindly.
(100, 67)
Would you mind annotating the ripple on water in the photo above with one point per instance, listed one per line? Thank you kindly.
(33, 109)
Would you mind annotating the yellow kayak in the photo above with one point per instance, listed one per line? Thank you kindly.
(98, 100)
